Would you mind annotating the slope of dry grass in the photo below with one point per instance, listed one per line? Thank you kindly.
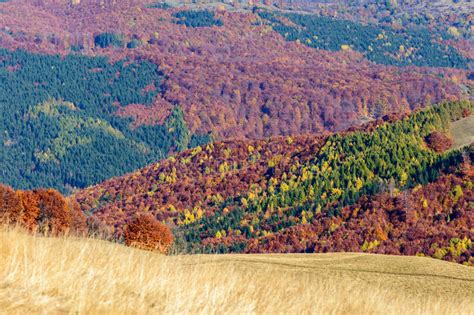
(66, 275)
(463, 131)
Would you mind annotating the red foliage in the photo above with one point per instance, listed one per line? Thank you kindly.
(238, 80)
(78, 218)
(31, 210)
(10, 206)
(439, 142)
(42, 210)
(420, 221)
(145, 232)
(54, 214)
(466, 113)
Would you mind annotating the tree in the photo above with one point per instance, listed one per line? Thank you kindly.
(145, 232)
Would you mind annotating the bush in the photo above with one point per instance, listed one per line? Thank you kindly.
(54, 214)
(145, 232)
(438, 142)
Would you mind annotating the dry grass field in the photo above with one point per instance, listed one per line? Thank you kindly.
(463, 131)
(69, 275)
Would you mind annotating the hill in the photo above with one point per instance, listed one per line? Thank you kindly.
(59, 125)
(70, 275)
(230, 74)
(259, 196)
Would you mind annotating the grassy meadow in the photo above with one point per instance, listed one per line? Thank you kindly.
(463, 131)
(71, 275)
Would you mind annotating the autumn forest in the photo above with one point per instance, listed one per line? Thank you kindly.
(198, 127)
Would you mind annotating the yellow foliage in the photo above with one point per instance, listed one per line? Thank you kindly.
(345, 47)
(454, 31)
(425, 203)
(369, 245)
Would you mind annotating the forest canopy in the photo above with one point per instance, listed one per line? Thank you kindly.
(381, 44)
(194, 18)
(59, 123)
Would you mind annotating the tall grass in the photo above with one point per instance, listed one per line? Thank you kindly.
(72, 275)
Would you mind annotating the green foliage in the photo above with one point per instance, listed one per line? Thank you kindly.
(197, 18)
(134, 43)
(159, 5)
(58, 126)
(380, 44)
(104, 40)
(178, 129)
(456, 248)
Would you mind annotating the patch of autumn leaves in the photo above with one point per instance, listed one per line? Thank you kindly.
(438, 141)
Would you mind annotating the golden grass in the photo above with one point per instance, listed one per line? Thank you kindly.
(463, 132)
(69, 275)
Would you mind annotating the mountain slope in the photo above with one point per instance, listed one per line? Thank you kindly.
(59, 122)
(228, 195)
(89, 276)
(136, 83)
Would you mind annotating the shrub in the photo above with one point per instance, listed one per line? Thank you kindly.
(45, 211)
(438, 142)
(145, 232)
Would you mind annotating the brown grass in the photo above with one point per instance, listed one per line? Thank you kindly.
(71, 275)
(463, 132)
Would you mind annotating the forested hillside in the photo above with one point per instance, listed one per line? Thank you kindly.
(100, 89)
(385, 45)
(59, 122)
(233, 196)
(235, 76)
(454, 17)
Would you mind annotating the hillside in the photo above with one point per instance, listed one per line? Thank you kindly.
(63, 131)
(68, 275)
(124, 67)
(257, 196)
(445, 15)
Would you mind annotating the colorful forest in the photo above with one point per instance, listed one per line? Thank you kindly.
(274, 131)
(121, 72)
(243, 196)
